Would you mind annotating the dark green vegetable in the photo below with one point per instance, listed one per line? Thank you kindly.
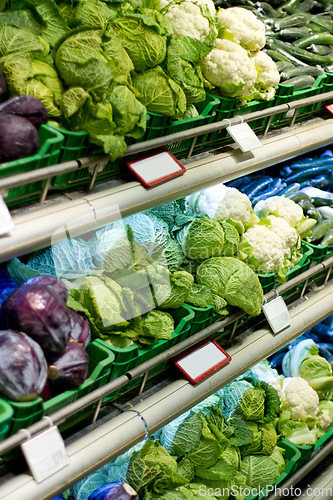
(302, 54)
(284, 54)
(303, 175)
(283, 66)
(322, 50)
(290, 189)
(307, 5)
(324, 24)
(308, 163)
(299, 71)
(298, 19)
(277, 56)
(294, 33)
(298, 196)
(314, 214)
(291, 4)
(319, 38)
(328, 238)
(321, 229)
(300, 82)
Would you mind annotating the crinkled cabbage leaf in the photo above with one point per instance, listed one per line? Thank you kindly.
(234, 281)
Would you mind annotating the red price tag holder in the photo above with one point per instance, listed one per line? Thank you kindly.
(202, 360)
(154, 169)
(329, 108)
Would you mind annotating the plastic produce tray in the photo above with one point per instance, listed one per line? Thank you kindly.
(132, 356)
(100, 365)
(6, 413)
(286, 93)
(293, 456)
(49, 154)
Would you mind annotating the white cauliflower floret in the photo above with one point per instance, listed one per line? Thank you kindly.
(300, 398)
(324, 419)
(229, 67)
(268, 76)
(222, 202)
(187, 19)
(203, 4)
(281, 207)
(243, 26)
(286, 232)
(267, 248)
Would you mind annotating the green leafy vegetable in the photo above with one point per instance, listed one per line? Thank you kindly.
(159, 93)
(201, 238)
(234, 281)
(259, 471)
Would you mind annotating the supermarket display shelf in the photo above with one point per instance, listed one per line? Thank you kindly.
(74, 213)
(112, 436)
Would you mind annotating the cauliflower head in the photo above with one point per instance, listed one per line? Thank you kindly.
(229, 67)
(187, 19)
(281, 207)
(299, 397)
(267, 248)
(205, 5)
(243, 27)
(286, 232)
(268, 76)
(222, 202)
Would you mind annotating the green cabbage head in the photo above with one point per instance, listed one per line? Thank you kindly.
(143, 38)
(233, 280)
(201, 238)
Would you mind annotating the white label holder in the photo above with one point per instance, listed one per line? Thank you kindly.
(277, 314)
(244, 136)
(45, 453)
(6, 221)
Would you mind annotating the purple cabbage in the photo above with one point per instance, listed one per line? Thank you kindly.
(3, 87)
(57, 285)
(70, 369)
(26, 106)
(23, 367)
(114, 491)
(39, 312)
(18, 138)
(80, 328)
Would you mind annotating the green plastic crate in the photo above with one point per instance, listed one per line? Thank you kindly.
(319, 252)
(286, 93)
(225, 109)
(292, 456)
(207, 115)
(258, 125)
(48, 154)
(203, 317)
(6, 413)
(132, 356)
(26, 413)
(326, 438)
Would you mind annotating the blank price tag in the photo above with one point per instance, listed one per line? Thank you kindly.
(277, 314)
(6, 221)
(45, 454)
(157, 168)
(202, 360)
(244, 136)
(329, 108)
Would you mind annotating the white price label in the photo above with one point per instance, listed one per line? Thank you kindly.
(45, 454)
(244, 136)
(277, 314)
(6, 221)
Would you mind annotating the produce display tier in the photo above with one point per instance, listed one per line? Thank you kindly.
(118, 430)
(80, 211)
